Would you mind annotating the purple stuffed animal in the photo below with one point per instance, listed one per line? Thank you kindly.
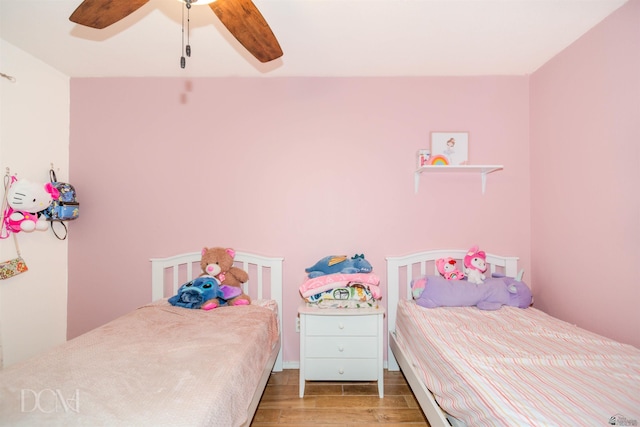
(490, 295)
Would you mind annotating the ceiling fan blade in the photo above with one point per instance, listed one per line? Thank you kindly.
(102, 13)
(243, 19)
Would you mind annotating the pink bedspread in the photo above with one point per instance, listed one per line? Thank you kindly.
(156, 366)
(519, 367)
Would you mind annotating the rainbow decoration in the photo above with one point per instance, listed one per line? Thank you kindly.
(439, 160)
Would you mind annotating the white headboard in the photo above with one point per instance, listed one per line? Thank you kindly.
(265, 278)
(401, 270)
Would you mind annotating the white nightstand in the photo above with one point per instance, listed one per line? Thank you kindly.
(341, 345)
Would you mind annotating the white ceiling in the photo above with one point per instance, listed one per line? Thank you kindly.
(318, 37)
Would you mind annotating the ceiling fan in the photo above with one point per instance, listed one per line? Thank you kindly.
(241, 17)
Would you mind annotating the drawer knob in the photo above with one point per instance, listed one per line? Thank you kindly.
(341, 348)
(341, 325)
(341, 371)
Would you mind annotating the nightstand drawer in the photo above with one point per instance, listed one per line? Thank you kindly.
(342, 325)
(341, 369)
(342, 347)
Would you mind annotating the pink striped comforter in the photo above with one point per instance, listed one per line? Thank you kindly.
(515, 367)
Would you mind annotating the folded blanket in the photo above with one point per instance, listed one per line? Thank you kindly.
(344, 304)
(328, 282)
(354, 292)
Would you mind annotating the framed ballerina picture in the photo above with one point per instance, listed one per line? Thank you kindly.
(449, 148)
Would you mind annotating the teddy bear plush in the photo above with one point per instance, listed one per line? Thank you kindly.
(218, 262)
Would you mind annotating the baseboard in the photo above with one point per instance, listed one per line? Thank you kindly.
(290, 365)
(296, 365)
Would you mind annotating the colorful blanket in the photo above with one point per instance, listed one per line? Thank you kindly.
(330, 281)
(342, 290)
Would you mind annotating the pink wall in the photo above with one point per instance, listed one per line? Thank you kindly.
(585, 171)
(293, 167)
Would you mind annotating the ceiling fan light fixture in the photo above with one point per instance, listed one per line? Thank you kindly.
(197, 2)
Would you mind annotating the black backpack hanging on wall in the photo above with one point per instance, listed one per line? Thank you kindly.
(65, 207)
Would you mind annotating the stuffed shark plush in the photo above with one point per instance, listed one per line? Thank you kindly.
(205, 292)
(339, 264)
(490, 295)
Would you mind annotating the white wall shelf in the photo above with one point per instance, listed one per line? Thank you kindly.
(483, 170)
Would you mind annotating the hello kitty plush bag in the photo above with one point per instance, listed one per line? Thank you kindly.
(25, 202)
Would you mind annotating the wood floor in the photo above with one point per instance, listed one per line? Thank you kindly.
(335, 404)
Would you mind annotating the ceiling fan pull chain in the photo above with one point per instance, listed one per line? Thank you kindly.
(183, 61)
(188, 28)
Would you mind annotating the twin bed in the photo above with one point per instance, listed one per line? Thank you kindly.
(509, 367)
(159, 365)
